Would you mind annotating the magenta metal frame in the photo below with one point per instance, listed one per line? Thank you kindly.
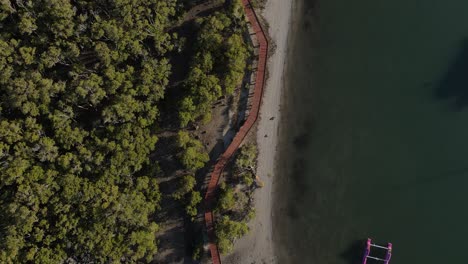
(367, 252)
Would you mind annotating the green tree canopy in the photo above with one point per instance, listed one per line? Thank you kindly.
(218, 64)
(186, 185)
(193, 156)
(80, 85)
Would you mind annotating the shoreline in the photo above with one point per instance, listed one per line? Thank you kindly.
(293, 137)
(258, 244)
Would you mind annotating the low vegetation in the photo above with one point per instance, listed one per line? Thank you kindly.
(227, 230)
(234, 204)
(245, 164)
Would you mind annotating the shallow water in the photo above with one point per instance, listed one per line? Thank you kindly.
(376, 143)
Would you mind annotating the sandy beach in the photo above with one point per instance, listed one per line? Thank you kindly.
(257, 246)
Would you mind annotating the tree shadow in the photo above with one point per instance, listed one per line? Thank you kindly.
(354, 252)
(454, 84)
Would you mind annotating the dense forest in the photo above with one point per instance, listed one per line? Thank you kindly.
(81, 89)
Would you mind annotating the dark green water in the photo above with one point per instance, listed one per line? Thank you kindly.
(376, 143)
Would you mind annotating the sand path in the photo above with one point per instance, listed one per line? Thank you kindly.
(257, 246)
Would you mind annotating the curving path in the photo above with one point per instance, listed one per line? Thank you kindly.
(239, 137)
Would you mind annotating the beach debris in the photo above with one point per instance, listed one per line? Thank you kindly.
(266, 135)
(272, 118)
(258, 182)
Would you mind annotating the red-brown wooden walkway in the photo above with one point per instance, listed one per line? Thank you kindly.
(239, 137)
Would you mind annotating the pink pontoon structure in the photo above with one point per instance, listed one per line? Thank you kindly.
(367, 252)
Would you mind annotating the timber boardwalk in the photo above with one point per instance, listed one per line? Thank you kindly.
(243, 131)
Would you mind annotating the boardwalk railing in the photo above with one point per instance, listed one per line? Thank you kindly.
(241, 134)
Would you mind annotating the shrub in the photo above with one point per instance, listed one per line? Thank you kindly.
(247, 178)
(246, 157)
(227, 231)
(227, 200)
